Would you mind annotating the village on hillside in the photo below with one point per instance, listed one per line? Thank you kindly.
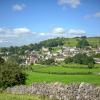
(32, 57)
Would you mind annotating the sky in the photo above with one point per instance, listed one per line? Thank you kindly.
(30, 21)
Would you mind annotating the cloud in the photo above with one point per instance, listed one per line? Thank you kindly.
(87, 17)
(97, 14)
(18, 7)
(42, 34)
(14, 32)
(21, 36)
(3, 41)
(72, 3)
(58, 30)
(91, 16)
(23, 32)
(76, 32)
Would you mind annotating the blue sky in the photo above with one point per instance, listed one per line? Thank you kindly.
(29, 21)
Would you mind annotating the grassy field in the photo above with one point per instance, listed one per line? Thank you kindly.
(56, 69)
(73, 41)
(4, 96)
(41, 76)
(66, 69)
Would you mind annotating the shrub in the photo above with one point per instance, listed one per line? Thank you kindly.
(1, 60)
(82, 43)
(97, 55)
(83, 59)
(68, 60)
(90, 65)
(48, 62)
(11, 74)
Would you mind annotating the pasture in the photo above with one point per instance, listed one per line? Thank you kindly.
(44, 73)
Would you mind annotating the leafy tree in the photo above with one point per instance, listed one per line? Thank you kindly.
(16, 59)
(11, 74)
(48, 62)
(52, 42)
(82, 43)
(82, 59)
(97, 55)
(1, 60)
(68, 60)
(91, 60)
(78, 58)
(90, 65)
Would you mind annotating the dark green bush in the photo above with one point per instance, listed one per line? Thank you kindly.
(1, 60)
(68, 60)
(80, 59)
(48, 62)
(11, 74)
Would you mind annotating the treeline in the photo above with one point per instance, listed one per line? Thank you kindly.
(81, 59)
(81, 43)
(37, 46)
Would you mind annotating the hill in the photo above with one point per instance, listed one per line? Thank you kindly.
(55, 43)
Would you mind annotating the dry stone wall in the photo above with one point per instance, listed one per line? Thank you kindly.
(58, 91)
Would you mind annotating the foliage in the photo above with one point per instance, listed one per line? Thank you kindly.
(90, 65)
(82, 43)
(79, 42)
(68, 60)
(11, 74)
(47, 62)
(97, 55)
(82, 59)
(52, 42)
(1, 60)
(16, 59)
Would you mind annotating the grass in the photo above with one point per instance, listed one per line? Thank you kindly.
(42, 74)
(73, 41)
(59, 69)
(5, 96)
(55, 49)
(67, 69)
(43, 77)
(70, 42)
(94, 41)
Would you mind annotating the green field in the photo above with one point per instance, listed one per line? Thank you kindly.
(73, 41)
(65, 70)
(5, 96)
(42, 77)
(42, 73)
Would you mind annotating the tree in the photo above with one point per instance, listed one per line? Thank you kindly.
(90, 65)
(97, 55)
(68, 60)
(1, 60)
(78, 58)
(16, 59)
(82, 43)
(83, 59)
(48, 62)
(11, 74)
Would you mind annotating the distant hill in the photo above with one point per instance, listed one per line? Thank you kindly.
(93, 41)
(55, 43)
